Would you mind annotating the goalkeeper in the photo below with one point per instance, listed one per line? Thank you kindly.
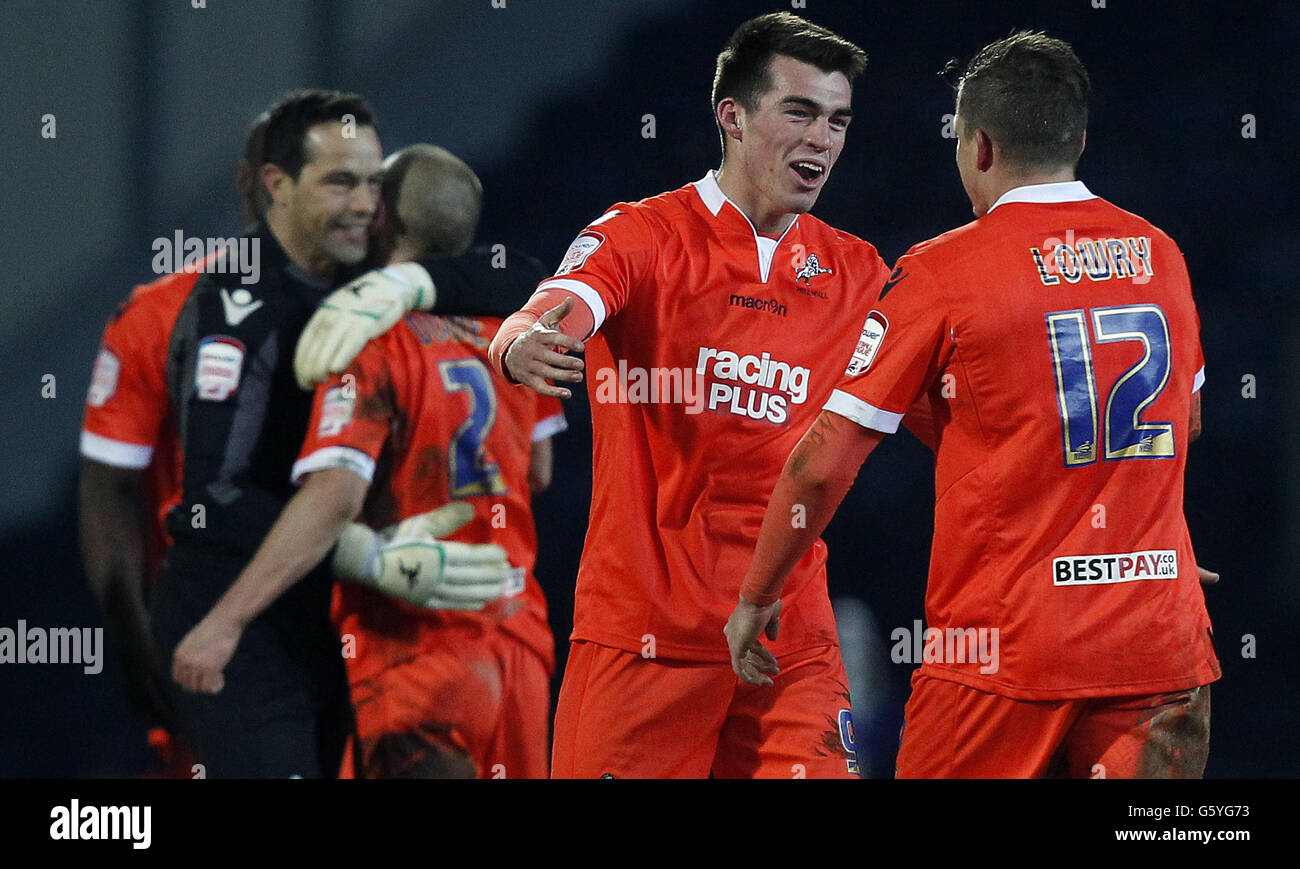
(416, 419)
(284, 710)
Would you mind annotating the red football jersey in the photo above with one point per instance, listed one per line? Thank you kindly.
(421, 416)
(715, 350)
(1058, 340)
(128, 421)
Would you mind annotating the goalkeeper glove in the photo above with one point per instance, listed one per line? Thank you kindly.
(353, 314)
(416, 566)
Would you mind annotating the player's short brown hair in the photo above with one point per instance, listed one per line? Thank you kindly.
(285, 143)
(743, 69)
(1029, 92)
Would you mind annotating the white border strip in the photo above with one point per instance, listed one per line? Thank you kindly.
(119, 454)
(552, 425)
(334, 457)
(582, 291)
(853, 408)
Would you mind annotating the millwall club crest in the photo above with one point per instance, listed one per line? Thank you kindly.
(810, 269)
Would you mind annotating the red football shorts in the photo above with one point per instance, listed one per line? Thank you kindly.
(626, 716)
(471, 703)
(954, 731)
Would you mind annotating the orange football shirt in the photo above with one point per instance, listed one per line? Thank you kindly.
(421, 416)
(128, 422)
(715, 348)
(1058, 340)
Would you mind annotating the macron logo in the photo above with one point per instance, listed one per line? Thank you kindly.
(75, 821)
(238, 305)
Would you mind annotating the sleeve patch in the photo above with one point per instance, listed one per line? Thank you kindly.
(220, 364)
(336, 411)
(103, 380)
(873, 333)
(583, 246)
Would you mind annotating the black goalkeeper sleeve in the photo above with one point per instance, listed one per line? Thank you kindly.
(487, 281)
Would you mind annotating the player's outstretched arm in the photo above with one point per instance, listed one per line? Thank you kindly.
(531, 346)
(816, 477)
(302, 535)
(112, 515)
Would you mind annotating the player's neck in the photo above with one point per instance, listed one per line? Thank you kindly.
(299, 253)
(767, 218)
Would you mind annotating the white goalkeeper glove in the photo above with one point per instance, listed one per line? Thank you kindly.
(417, 566)
(353, 314)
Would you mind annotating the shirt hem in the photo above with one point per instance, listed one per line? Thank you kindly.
(1204, 674)
(675, 652)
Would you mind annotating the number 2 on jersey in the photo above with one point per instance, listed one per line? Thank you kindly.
(1126, 435)
(469, 472)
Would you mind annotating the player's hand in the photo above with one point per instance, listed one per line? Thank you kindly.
(754, 664)
(353, 314)
(416, 565)
(539, 354)
(1208, 577)
(199, 660)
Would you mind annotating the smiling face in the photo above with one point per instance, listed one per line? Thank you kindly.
(328, 211)
(782, 153)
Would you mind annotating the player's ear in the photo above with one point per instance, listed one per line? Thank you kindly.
(276, 182)
(983, 151)
(730, 118)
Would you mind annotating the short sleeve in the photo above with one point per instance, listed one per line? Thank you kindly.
(350, 417)
(606, 261)
(903, 347)
(127, 400)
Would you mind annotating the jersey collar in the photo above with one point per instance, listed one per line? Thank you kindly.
(1057, 191)
(713, 198)
(711, 194)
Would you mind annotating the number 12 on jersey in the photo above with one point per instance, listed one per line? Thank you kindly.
(1125, 434)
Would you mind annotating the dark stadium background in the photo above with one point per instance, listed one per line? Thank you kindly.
(546, 99)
